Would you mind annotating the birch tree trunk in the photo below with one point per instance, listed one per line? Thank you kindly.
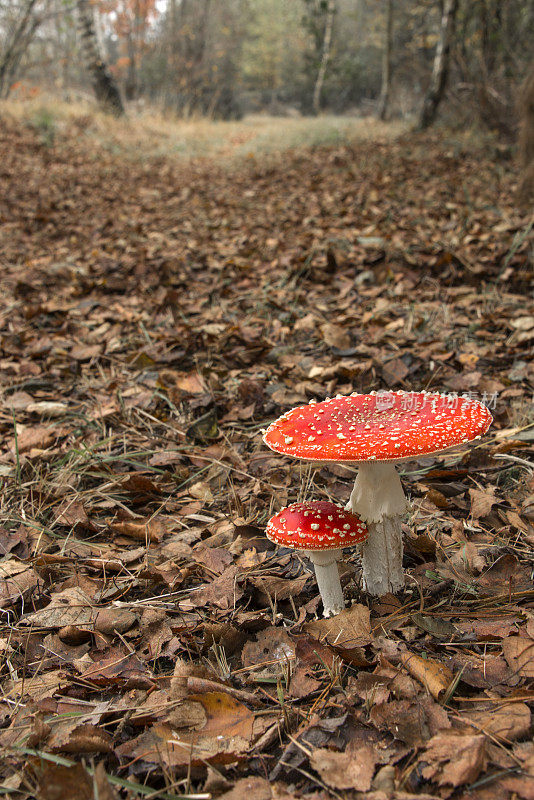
(440, 71)
(104, 85)
(385, 92)
(325, 57)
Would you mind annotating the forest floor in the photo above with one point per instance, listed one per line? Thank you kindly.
(154, 316)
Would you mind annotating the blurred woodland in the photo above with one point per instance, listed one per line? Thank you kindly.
(232, 57)
(212, 211)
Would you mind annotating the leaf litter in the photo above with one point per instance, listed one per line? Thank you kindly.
(153, 641)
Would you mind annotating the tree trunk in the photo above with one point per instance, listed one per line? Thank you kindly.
(325, 57)
(385, 92)
(17, 43)
(104, 85)
(440, 71)
(526, 138)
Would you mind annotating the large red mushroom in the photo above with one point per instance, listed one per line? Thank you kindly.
(375, 431)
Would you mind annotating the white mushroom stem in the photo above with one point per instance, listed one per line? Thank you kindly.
(378, 498)
(327, 574)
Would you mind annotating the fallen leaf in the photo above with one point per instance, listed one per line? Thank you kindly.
(435, 676)
(481, 502)
(226, 735)
(33, 438)
(201, 491)
(47, 408)
(409, 721)
(72, 513)
(55, 781)
(453, 759)
(114, 620)
(273, 651)
(335, 336)
(17, 581)
(510, 722)
(348, 770)
(223, 592)
(79, 739)
(394, 372)
(253, 788)
(347, 630)
(519, 653)
(118, 669)
(277, 588)
(145, 530)
(69, 607)
(80, 352)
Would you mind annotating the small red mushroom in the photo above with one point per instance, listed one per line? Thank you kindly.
(375, 431)
(321, 529)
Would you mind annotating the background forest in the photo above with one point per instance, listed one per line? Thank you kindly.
(212, 211)
(231, 57)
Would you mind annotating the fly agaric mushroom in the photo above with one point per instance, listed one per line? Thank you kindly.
(375, 431)
(321, 529)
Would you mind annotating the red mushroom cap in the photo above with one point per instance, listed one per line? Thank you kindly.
(316, 525)
(383, 426)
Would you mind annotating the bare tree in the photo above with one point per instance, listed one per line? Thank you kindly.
(105, 87)
(20, 34)
(385, 92)
(440, 71)
(325, 56)
(526, 137)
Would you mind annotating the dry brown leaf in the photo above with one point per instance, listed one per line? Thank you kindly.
(37, 687)
(17, 581)
(335, 336)
(118, 669)
(408, 721)
(273, 651)
(482, 502)
(47, 408)
(453, 759)
(347, 630)
(79, 739)
(224, 592)
(114, 620)
(353, 769)
(144, 530)
(55, 781)
(69, 607)
(494, 627)
(394, 372)
(187, 714)
(510, 722)
(519, 653)
(505, 575)
(278, 588)
(216, 559)
(522, 323)
(38, 437)
(72, 513)
(80, 352)
(253, 788)
(435, 676)
(103, 788)
(201, 491)
(226, 736)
